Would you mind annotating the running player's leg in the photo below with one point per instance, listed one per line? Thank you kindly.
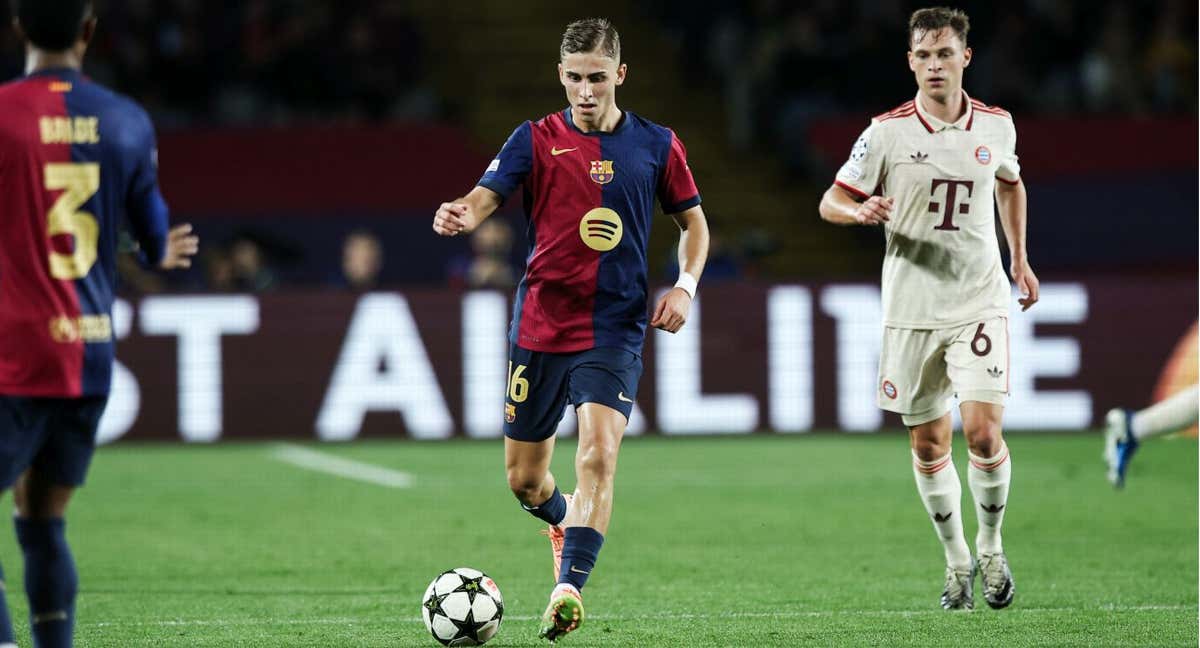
(941, 493)
(978, 366)
(913, 382)
(990, 471)
(51, 580)
(1126, 429)
(989, 476)
(534, 403)
(527, 466)
(602, 385)
(600, 432)
(40, 500)
(22, 430)
(1171, 415)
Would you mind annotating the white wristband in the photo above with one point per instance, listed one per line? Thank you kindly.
(688, 283)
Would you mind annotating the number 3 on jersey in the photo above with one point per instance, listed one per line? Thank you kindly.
(518, 387)
(80, 181)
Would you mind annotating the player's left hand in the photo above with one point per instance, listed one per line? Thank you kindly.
(1026, 282)
(672, 310)
(181, 246)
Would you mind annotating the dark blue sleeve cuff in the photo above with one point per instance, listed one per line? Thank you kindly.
(499, 188)
(682, 206)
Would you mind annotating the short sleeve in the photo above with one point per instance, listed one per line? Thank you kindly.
(1009, 170)
(676, 186)
(512, 165)
(147, 211)
(862, 172)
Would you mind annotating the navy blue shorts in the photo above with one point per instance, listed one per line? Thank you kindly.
(541, 384)
(57, 436)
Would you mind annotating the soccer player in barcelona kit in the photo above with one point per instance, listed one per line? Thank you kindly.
(590, 175)
(926, 171)
(75, 160)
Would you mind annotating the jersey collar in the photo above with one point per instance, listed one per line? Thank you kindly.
(66, 72)
(935, 125)
(619, 127)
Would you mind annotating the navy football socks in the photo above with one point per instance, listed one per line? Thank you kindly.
(552, 510)
(581, 546)
(6, 629)
(50, 580)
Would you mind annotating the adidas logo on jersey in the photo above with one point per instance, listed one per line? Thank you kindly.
(919, 157)
(995, 372)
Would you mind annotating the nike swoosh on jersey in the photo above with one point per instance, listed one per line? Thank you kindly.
(557, 151)
(621, 397)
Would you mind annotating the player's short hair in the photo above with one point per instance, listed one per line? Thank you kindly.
(52, 25)
(935, 19)
(591, 35)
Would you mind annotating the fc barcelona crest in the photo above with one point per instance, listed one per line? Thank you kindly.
(602, 171)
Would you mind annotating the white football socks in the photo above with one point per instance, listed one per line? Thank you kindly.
(1174, 413)
(989, 479)
(941, 492)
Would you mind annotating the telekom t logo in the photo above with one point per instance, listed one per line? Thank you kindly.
(951, 202)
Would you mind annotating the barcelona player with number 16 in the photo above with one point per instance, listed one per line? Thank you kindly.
(590, 175)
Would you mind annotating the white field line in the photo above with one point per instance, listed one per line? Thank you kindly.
(302, 457)
(665, 616)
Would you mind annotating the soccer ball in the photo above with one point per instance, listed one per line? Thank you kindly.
(462, 607)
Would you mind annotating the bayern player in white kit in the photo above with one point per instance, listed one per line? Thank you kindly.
(927, 172)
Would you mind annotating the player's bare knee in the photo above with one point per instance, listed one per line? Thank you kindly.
(597, 460)
(928, 449)
(525, 485)
(983, 433)
(929, 441)
(984, 437)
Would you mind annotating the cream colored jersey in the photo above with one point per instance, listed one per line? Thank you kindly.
(941, 266)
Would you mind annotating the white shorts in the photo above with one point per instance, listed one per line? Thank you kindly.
(920, 369)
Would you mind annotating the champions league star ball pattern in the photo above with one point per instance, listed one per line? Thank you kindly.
(462, 607)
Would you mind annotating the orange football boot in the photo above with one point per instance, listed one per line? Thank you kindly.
(557, 534)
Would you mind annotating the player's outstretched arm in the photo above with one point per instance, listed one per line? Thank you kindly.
(182, 245)
(462, 216)
(671, 311)
(1011, 200)
(840, 207)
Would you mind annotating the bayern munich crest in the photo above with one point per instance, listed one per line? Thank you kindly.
(889, 389)
(983, 155)
(602, 171)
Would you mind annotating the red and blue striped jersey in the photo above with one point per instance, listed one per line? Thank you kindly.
(76, 160)
(589, 199)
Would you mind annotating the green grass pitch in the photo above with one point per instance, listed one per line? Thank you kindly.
(765, 541)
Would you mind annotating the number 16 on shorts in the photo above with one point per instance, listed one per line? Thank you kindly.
(517, 390)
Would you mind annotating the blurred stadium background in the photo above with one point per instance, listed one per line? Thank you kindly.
(309, 143)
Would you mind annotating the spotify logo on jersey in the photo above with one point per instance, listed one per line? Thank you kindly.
(601, 229)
